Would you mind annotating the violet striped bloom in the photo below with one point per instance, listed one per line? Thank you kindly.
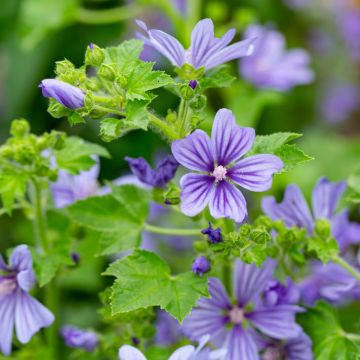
(270, 65)
(205, 50)
(18, 309)
(78, 338)
(67, 95)
(219, 167)
(236, 325)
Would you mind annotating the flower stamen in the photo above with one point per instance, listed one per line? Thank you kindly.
(219, 173)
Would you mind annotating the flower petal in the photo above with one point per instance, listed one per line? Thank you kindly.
(299, 348)
(202, 38)
(127, 352)
(255, 172)
(194, 151)
(293, 210)
(241, 345)
(21, 258)
(26, 279)
(344, 231)
(2, 263)
(227, 201)
(325, 197)
(183, 353)
(7, 311)
(249, 280)
(30, 317)
(229, 140)
(196, 190)
(164, 43)
(276, 321)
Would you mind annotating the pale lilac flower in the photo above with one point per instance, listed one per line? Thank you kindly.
(67, 95)
(168, 330)
(160, 176)
(217, 160)
(205, 50)
(78, 338)
(201, 265)
(235, 325)
(271, 65)
(18, 309)
(187, 352)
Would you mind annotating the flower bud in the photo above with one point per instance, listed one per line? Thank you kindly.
(199, 102)
(107, 72)
(62, 67)
(67, 95)
(193, 84)
(214, 235)
(187, 92)
(20, 128)
(201, 265)
(121, 80)
(57, 110)
(94, 55)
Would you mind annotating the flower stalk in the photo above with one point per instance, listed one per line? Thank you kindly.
(340, 261)
(167, 231)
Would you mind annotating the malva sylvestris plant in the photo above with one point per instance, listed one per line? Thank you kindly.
(246, 287)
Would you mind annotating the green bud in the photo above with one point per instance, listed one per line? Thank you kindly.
(6, 151)
(64, 66)
(172, 195)
(107, 72)
(92, 84)
(323, 228)
(56, 140)
(122, 81)
(199, 102)
(187, 93)
(25, 154)
(195, 121)
(200, 246)
(171, 117)
(19, 128)
(260, 236)
(57, 110)
(188, 72)
(94, 55)
(272, 251)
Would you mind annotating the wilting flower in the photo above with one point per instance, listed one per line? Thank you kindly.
(270, 65)
(67, 95)
(69, 188)
(187, 352)
(298, 348)
(17, 308)
(205, 50)
(201, 265)
(214, 235)
(159, 177)
(218, 161)
(232, 325)
(78, 338)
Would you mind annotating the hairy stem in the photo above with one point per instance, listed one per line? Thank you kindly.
(166, 231)
(163, 127)
(353, 271)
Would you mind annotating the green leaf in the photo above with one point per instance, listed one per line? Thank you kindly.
(218, 77)
(277, 144)
(118, 217)
(330, 341)
(143, 279)
(12, 187)
(75, 119)
(77, 155)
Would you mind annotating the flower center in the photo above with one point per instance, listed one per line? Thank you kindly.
(272, 353)
(219, 173)
(7, 286)
(236, 315)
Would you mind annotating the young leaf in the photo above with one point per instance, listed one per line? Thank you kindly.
(218, 77)
(77, 155)
(143, 279)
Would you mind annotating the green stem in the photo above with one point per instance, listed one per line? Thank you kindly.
(108, 16)
(353, 337)
(52, 332)
(109, 110)
(347, 267)
(226, 276)
(164, 128)
(166, 231)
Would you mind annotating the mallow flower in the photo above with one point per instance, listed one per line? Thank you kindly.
(18, 309)
(205, 50)
(236, 325)
(187, 352)
(67, 95)
(270, 65)
(79, 338)
(220, 169)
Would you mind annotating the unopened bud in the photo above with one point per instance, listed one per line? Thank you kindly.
(94, 55)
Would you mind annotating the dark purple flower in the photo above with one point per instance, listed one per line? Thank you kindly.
(276, 293)
(75, 257)
(69, 188)
(218, 161)
(160, 176)
(214, 235)
(78, 338)
(235, 325)
(17, 308)
(201, 265)
(193, 84)
(205, 50)
(67, 95)
(270, 65)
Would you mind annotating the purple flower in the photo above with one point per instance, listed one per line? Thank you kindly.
(193, 84)
(298, 348)
(168, 330)
(17, 308)
(271, 66)
(218, 161)
(201, 265)
(67, 95)
(69, 188)
(205, 50)
(233, 325)
(159, 177)
(294, 211)
(78, 338)
(276, 293)
(214, 235)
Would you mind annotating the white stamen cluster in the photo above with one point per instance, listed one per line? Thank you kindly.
(219, 173)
